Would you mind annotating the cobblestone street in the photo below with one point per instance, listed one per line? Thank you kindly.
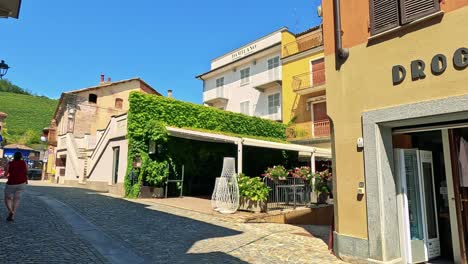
(154, 233)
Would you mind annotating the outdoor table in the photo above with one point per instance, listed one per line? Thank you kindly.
(287, 188)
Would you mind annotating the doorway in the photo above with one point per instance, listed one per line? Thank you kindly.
(458, 138)
(423, 197)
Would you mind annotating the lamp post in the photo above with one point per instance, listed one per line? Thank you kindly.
(3, 69)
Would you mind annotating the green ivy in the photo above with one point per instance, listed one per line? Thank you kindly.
(156, 173)
(149, 115)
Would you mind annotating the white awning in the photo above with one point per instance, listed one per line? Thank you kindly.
(213, 137)
(201, 136)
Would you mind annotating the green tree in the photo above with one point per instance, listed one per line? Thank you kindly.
(7, 86)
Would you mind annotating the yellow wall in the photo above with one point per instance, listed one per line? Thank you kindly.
(293, 103)
(364, 82)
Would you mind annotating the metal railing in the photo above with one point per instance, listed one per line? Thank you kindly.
(308, 130)
(308, 80)
(214, 94)
(302, 44)
(288, 193)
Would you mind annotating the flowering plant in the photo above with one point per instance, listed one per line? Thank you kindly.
(303, 173)
(321, 181)
(276, 173)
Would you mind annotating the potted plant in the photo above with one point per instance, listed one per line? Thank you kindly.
(253, 194)
(155, 176)
(276, 173)
(306, 174)
(322, 185)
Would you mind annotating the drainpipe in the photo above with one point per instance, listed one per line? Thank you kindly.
(341, 52)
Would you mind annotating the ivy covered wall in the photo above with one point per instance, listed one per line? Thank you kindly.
(149, 114)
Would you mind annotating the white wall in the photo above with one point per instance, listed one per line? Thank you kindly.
(250, 48)
(237, 93)
(104, 168)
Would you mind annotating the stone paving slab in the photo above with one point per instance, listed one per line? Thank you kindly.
(38, 235)
(165, 234)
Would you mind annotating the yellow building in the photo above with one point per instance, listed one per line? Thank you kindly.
(397, 88)
(304, 88)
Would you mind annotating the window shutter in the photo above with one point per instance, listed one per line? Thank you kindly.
(383, 15)
(414, 9)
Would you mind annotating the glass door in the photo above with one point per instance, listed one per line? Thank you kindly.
(429, 201)
(418, 217)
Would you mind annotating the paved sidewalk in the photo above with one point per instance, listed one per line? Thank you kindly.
(165, 234)
(40, 236)
(155, 233)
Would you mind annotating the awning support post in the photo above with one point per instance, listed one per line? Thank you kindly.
(312, 162)
(239, 157)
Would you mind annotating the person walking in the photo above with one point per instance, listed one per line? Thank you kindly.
(16, 172)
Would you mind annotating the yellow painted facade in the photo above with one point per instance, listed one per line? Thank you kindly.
(364, 83)
(296, 108)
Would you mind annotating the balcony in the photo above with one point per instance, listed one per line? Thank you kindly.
(273, 116)
(268, 79)
(309, 82)
(309, 130)
(215, 96)
(303, 44)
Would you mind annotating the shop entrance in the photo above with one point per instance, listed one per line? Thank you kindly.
(423, 197)
(458, 138)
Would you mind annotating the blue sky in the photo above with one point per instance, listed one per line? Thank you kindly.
(59, 45)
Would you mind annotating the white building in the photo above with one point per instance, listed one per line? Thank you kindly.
(247, 80)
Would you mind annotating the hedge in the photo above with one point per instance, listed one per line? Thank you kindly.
(148, 114)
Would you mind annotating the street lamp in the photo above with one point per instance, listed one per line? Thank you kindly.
(3, 69)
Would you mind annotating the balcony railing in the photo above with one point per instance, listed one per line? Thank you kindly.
(303, 44)
(276, 116)
(309, 130)
(308, 80)
(214, 96)
(322, 128)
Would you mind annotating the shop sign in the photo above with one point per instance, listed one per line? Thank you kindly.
(438, 66)
(245, 51)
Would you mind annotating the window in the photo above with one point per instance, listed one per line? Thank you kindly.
(273, 63)
(115, 164)
(245, 76)
(273, 103)
(220, 82)
(385, 14)
(92, 98)
(245, 108)
(118, 103)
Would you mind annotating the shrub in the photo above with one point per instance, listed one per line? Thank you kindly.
(253, 188)
(156, 173)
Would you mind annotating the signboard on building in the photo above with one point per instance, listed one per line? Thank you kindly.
(243, 52)
(437, 67)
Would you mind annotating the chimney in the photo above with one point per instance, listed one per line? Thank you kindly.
(108, 79)
(169, 93)
(102, 78)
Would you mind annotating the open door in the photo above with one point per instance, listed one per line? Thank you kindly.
(429, 202)
(460, 192)
(418, 218)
